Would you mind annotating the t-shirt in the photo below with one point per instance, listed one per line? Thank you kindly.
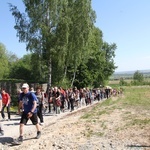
(39, 98)
(56, 94)
(5, 98)
(28, 100)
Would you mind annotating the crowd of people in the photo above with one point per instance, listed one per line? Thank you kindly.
(34, 104)
(59, 99)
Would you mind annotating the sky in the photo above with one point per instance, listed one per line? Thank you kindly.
(123, 22)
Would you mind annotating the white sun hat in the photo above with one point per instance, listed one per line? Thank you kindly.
(25, 85)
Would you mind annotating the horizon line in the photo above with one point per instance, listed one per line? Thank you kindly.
(132, 70)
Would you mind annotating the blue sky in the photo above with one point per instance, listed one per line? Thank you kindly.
(124, 22)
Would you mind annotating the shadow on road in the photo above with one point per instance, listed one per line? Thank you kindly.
(4, 140)
(139, 146)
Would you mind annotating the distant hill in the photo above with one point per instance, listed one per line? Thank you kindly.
(132, 72)
(129, 74)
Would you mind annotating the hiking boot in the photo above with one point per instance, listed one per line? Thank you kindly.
(20, 139)
(38, 134)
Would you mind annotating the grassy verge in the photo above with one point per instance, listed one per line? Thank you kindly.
(133, 108)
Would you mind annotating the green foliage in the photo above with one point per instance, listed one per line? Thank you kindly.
(81, 81)
(138, 76)
(66, 47)
(21, 69)
(123, 82)
(12, 80)
(4, 64)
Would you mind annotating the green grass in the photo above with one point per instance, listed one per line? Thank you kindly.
(97, 111)
(137, 97)
(100, 134)
(134, 106)
(86, 116)
(13, 109)
(140, 121)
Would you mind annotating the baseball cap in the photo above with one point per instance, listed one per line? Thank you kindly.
(25, 85)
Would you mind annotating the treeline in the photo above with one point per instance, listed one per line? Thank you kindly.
(66, 47)
(137, 79)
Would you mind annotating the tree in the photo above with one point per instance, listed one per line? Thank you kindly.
(82, 22)
(4, 64)
(36, 28)
(55, 27)
(109, 67)
(83, 77)
(137, 76)
(97, 56)
(122, 82)
(21, 68)
(100, 62)
(63, 40)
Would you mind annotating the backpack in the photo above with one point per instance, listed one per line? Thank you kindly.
(58, 102)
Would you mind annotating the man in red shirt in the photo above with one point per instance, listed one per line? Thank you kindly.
(5, 103)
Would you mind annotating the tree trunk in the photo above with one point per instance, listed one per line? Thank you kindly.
(65, 73)
(49, 84)
(74, 76)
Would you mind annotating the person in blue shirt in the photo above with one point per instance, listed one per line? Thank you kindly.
(28, 104)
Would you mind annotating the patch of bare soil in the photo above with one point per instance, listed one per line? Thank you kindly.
(112, 130)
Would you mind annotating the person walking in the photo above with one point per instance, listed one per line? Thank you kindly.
(82, 97)
(28, 103)
(56, 100)
(62, 98)
(5, 104)
(71, 99)
(77, 97)
(40, 100)
(50, 101)
(0, 102)
(1, 126)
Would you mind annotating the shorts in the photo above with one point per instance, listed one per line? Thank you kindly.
(24, 118)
